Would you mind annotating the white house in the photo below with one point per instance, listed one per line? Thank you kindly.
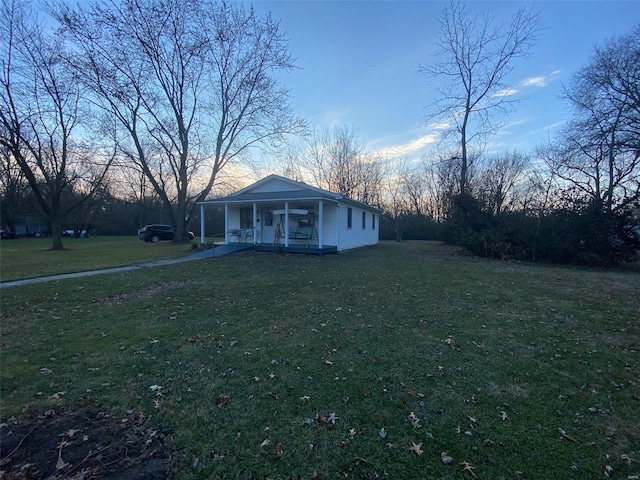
(279, 213)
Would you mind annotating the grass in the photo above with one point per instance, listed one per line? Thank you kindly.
(254, 352)
(33, 257)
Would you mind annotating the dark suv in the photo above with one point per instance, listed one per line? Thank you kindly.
(155, 233)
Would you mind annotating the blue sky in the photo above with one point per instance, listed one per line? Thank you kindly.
(358, 62)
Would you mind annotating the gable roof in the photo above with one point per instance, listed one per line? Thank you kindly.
(288, 190)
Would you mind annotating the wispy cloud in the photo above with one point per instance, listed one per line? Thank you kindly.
(534, 82)
(507, 92)
(545, 129)
(440, 125)
(409, 147)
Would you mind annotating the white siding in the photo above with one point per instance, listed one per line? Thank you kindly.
(329, 224)
(356, 236)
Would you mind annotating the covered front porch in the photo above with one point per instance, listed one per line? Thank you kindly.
(301, 226)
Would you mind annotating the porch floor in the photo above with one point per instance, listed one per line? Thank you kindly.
(222, 249)
(308, 249)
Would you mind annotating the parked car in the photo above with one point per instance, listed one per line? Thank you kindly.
(72, 233)
(7, 234)
(155, 233)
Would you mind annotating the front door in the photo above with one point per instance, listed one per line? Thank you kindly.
(269, 224)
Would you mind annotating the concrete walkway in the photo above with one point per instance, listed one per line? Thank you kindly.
(218, 251)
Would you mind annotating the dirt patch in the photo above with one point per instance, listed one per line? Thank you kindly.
(71, 444)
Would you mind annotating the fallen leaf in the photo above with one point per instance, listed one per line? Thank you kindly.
(411, 392)
(415, 421)
(446, 458)
(467, 467)
(216, 456)
(332, 419)
(416, 448)
(223, 398)
(564, 434)
(279, 451)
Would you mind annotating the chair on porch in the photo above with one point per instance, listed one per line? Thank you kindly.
(235, 234)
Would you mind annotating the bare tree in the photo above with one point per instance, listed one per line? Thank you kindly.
(497, 180)
(395, 201)
(599, 149)
(441, 182)
(40, 115)
(336, 160)
(14, 190)
(478, 55)
(190, 86)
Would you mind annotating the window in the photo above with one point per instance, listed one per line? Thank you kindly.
(246, 218)
(364, 220)
(373, 221)
(349, 217)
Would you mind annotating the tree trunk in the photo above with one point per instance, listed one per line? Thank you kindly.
(181, 224)
(56, 233)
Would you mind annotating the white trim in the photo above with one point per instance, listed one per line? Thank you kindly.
(286, 224)
(292, 211)
(255, 227)
(226, 224)
(319, 225)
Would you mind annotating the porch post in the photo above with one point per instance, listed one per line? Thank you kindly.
(202, 234)
(255, 224)
(226, 224)
(286, 224)
(319, 225)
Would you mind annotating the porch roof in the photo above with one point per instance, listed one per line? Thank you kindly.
(261, 197)
(289, 190)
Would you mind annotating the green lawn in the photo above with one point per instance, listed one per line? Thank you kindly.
(250, 355)
(32, 257)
